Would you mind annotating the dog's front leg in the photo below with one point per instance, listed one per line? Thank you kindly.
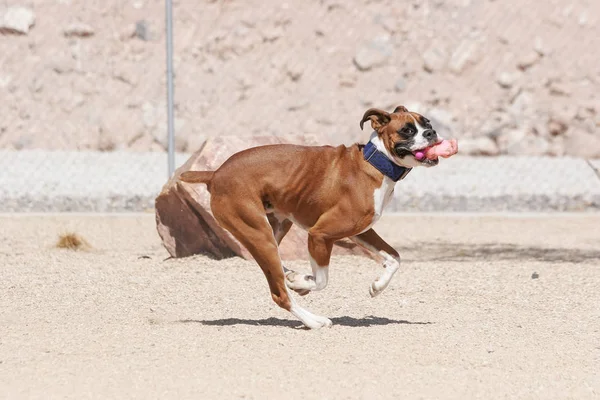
(320, 253)
(371, 241)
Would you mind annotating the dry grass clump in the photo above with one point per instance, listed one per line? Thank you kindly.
(73, 241)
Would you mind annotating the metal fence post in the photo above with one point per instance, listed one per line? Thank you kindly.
(170, 122)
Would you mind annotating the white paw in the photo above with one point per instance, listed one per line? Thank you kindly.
(376, 288)
(300, 283)
(318, 322)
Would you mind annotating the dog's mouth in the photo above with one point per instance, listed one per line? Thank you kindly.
(430, 162)
(418, 154)
(421, 156)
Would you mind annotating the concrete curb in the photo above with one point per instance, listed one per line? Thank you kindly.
(47, 181)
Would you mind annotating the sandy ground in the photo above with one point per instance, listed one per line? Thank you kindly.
(463, 319)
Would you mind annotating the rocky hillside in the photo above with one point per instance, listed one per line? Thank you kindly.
(504, 77)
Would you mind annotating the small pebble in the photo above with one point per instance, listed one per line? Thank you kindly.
(535, 275)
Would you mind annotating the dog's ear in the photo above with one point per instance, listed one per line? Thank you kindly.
(400, 109)
(378, 118)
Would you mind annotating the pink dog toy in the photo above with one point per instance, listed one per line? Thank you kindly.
(445, 148)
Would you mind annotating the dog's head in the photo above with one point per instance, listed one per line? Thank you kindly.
(401, 134)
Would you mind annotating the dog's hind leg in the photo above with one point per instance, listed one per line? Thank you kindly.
(300, 283)
(281, 226)
(248, 223)
(390, 258)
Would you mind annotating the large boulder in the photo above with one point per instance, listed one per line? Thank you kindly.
(184, 219)
(16, 20)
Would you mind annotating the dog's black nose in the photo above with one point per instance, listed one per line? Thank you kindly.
(430, 134)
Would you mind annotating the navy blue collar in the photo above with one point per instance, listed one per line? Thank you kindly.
(380, 161)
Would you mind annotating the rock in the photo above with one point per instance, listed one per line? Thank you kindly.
(585, 113)
(5, 80)
(331, 5)
(374, 54)
(348, 79)
(564, 112)
(297, 103)
(557, 146)
(271, 34)
(387, 22)
(75, 101)
(434, 59)
(160, 134)
(495, 124)
(37, 85)
(535, 275)
(528, 60)
(465, 54)
(441, 115)
(244, 81)
(78, 29)
(184, 219)
(521, 105)
(520, 142)
(149, 115)
(503, 38)
(400, 85)
(442, 121)
(559, 89)
(583, 18)
(143, 31)
(154, 117)
(16, 20)
(540, 47)
(196, 141)
(580, 143)
(510, 137)
(23, 142)
(106, 142)
(531, 146)
(115, 131)
(507, 79)
(295, 71)
(479, 146)
(415, 106)
(556, 127)
(126, 76)
(62, 64)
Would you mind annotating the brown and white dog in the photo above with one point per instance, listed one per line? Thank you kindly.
(331, 192)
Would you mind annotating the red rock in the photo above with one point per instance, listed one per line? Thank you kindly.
(185, 222)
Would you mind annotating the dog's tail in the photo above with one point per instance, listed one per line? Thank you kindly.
(197, 177)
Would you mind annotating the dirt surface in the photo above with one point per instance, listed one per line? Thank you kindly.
(463, 319)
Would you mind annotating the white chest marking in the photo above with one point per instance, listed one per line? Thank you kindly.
(381, 198)
(382, 195)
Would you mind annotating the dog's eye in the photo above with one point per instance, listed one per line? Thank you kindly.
(407, 130)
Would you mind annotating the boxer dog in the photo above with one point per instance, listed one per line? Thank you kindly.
(330, 192)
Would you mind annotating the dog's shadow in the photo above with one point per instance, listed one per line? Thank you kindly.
(341, 321)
